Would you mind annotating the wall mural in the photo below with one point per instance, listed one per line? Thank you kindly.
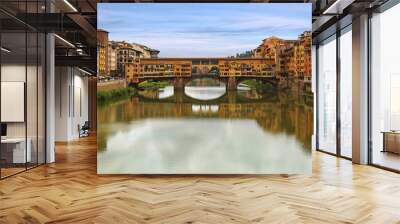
(190, 90)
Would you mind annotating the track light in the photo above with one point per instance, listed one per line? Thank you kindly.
(86, 72)
(64, 40)
(5, 50)
(70, 5)
(337, 7)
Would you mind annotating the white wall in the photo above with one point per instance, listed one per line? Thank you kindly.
(13, 100)
(80, 104)
(314, 90)
(12, 73)
(33, 126)
(61, 103)
(71, 102)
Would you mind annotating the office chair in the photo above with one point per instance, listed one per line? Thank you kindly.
(84, 130)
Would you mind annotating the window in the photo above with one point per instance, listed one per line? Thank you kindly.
(327, 95)
(385, 89)
(346, 92)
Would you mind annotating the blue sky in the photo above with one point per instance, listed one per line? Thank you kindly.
(208, 30)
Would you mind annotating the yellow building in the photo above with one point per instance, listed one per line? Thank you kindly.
(246, 67)
(187, 67)
(102, 53)
(121, 53)
(274, 48)
(112, 58)
(303, 57)
(292, 58)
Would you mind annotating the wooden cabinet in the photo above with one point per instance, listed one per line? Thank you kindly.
(391, 142)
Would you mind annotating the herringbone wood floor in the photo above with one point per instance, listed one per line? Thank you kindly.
(69, 191)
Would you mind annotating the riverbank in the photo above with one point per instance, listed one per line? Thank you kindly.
(114, 94)
(110, 85)
(117, 93)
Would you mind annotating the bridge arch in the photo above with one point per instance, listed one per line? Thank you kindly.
(268, 83)
(200, 70)
(205, 70)
(263, 80)
(195, 70)
(214, 70)
(164, 93)
(195, 94)
(199, 77)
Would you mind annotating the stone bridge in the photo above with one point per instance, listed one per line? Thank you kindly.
(180, 71)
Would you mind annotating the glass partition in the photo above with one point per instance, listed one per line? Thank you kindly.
(13, 109)
(22, 87)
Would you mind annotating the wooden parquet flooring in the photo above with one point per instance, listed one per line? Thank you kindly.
(70, 191)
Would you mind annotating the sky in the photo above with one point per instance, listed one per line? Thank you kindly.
(202, 30)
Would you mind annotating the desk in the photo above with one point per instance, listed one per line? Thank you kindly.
(16, 147)
(391, 141)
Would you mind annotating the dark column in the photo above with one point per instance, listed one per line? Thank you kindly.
(92, 100)
(179, 95)
(179, 83)
(231, 84)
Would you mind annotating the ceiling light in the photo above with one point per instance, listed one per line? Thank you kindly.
(70, 5)
(5, 50)
(64, 40)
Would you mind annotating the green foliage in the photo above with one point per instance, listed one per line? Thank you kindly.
(246, 54)
(104, 96)
(259, 86)
(153, 85)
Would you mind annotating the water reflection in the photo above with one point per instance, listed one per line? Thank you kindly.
(204, 92)
(162, 93)
(242, 86)
(237, 132)
(166, 92)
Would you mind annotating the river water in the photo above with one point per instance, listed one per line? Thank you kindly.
(206, 130)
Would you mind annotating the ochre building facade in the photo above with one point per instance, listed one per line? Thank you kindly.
(189, 67)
